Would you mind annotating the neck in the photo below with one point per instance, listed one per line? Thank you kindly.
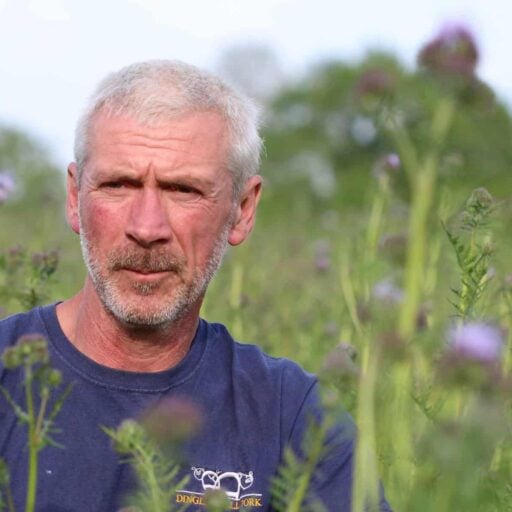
(106, 340)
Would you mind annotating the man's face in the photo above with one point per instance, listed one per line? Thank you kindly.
(155, 212)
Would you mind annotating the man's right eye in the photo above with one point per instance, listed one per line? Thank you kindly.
(113, 184)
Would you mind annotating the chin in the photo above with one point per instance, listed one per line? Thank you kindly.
(147, 309)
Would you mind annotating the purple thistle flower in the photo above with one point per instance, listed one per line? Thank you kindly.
(453, 51)
(477, 341)
(173, 419)
(7, 185)
(375, 82)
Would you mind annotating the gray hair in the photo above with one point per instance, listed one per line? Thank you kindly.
(159, 90)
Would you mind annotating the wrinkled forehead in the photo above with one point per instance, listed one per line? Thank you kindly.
(204, 131)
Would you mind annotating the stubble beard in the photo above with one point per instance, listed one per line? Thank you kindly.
(137, 313)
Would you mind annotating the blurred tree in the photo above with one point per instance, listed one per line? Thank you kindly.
(328, 131)
(37, 185)
(32, 220)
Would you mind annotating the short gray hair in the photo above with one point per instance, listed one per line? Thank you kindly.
(159, 90)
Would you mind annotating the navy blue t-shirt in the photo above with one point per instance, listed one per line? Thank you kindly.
(253, 404)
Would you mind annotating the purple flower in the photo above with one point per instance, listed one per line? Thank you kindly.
(386, 291)
(375, 81)
(453, 51)
(477, 341)
(386, 165)
(322, 255)
(7, 185)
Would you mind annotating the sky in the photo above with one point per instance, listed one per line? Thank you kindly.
(53, 52)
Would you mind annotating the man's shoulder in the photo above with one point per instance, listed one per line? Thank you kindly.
(252, 363)
(20, 324)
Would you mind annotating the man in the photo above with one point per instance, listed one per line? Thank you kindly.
(165, 177)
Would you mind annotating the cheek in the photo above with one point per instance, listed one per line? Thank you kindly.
(100, 220)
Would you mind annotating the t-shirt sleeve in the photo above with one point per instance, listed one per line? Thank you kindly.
(331, 485)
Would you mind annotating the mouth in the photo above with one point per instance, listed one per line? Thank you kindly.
(147, 274)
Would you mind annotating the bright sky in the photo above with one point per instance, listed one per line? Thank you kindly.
(53, 52)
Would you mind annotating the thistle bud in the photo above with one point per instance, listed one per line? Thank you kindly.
(216, 500)
(172, 420)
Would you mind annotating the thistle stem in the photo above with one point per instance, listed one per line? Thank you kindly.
(33, 447)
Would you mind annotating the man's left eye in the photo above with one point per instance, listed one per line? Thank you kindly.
(183, 189)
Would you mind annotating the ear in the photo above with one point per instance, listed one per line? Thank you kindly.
(72, 197)
(245, 211)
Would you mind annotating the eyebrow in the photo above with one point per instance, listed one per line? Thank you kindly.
(177, 175)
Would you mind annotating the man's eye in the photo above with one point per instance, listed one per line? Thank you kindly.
(183, 189)
(113, 184)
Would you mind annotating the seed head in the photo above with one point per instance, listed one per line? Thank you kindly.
(340, 362)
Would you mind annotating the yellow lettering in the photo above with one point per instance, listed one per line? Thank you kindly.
(247, 502)
(185, 498)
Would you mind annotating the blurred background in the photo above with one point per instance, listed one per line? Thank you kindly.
(53, 52)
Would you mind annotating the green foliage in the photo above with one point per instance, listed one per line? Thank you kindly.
(30, 353)
(156, 473)
(290, 487)
(24, 277)
(473, 251)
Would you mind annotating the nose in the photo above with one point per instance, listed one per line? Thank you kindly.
(148, 223)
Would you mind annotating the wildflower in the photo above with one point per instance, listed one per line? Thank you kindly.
(386, 165)
(386, 291)
(127, 436)
(7, 185)
(172, 420)
(375, 82)
(340, 362)
(453, 52)
(322, 255)
(45, 263)
(477, 341)
(322, 263)
(29, 349)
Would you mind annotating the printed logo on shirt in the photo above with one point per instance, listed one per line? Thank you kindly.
(234, 483)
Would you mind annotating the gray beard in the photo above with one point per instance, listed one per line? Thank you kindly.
(172, 308)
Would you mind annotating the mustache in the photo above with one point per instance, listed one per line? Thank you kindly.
(145, 260)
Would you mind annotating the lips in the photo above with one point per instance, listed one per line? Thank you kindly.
(148, 272)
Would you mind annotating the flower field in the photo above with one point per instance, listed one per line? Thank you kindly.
(380, 261)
